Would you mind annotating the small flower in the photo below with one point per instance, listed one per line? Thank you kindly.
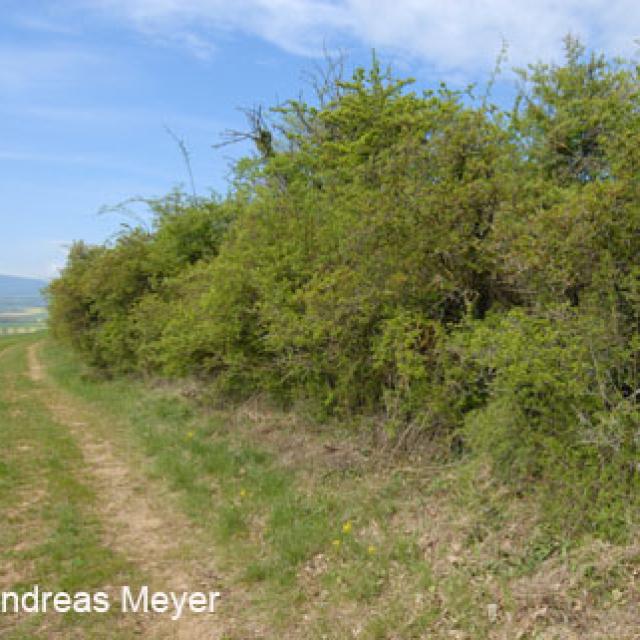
(346, 527)
(190, 435)
(243, 493)
(336, 543)
(371, 549)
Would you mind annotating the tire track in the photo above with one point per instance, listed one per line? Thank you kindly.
(139, 519)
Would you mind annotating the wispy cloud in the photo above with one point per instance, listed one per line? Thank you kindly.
(81, 160)
(199, 46)
(22, 67)
(147, 117)
(460, 36)
(28, 156)
(41, 24)
(56, 251)
(50, 257)
(297, 26)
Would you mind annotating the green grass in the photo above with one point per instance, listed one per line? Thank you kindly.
(325, 545)
(344, 550)
(50, 535)
(296, 544)
(10, 341)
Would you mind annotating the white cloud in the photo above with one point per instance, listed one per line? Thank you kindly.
(298, 26)
(455, 36)
(465, 35)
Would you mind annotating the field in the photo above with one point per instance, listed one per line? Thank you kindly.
(18, 316)
(307, 533)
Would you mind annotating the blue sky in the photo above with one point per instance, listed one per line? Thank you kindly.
(87, 87)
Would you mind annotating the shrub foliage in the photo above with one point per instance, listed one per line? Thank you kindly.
(466, 271)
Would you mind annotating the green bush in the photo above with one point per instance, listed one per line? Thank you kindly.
(466, 272)
(557, 414)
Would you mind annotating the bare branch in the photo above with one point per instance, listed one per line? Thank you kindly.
(259, 133)
(185, 156)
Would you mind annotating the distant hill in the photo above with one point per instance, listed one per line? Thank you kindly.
(17, 292)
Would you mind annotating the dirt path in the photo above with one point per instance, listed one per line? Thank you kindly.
(139, 518)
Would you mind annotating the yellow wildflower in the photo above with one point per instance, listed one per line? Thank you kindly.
(371, 549)
(346, 527)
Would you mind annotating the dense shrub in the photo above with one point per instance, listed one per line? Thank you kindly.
(559, 410)
(465, 271)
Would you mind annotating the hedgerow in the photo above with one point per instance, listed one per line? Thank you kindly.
(464, 271)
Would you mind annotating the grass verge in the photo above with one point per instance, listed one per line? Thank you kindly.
(49, 535)
(330, 543)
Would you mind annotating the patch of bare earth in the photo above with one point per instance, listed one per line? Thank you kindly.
(140, 519)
